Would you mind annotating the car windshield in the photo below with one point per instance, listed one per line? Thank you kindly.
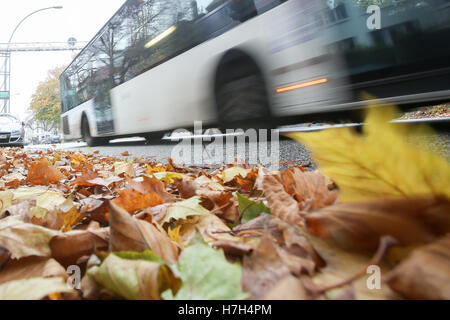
(8, 121)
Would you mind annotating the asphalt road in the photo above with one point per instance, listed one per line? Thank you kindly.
(277, 155)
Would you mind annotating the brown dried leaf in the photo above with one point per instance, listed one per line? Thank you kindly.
(32, 267)
(150, 185)
(295, 243)
(104, 182)
(83, 180)
(280, 203)
(288, 288)
(40, 173)
(130, 234)
(263, 269)
(233, 248)
(425, 274)
(133, 201)
(361, 224)
(310, 189)
(97, 209)
(70, 246)
(4, 257)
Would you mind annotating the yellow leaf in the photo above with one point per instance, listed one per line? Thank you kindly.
(379, 162)
(55, 296)
(230, 173)
(174, 234)
(157, 168)
(78, 158)
(75, 163)
(71, 216)
(168, 177)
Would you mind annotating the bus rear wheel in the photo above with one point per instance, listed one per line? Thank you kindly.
(86, 134)
(243, 103)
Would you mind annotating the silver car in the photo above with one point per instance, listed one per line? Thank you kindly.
(12, 131)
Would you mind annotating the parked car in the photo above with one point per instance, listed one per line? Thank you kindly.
(12, 131)
(55, 139)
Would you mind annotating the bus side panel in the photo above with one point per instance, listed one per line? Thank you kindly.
(74, 120)
(171, 95)
(180, 91)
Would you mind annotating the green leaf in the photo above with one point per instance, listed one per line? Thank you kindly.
(147, 255)
(134, 279)
(207, 275)
(32, 289)
(249, 209)
(184, 209)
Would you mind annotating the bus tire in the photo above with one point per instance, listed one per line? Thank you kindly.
(243, 103)
(86, 134)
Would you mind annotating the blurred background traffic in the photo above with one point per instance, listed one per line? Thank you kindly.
(154, 66)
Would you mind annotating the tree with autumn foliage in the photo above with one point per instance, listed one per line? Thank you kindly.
(45, 102)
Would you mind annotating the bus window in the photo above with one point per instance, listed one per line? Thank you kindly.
(151, 32)
(243, 10)
(409, 32)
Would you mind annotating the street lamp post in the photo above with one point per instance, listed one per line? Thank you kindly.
(7, 65)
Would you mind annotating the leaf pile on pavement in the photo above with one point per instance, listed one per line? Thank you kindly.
(437, 111)
(139, 229)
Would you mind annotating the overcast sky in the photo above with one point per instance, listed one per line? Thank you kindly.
(81, 19)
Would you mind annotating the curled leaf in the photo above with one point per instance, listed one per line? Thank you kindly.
(67, 248)
(134, 279)
(131, 234)
(281, 204)
(310, 189)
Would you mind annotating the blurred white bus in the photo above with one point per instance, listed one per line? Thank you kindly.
(162, 64)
